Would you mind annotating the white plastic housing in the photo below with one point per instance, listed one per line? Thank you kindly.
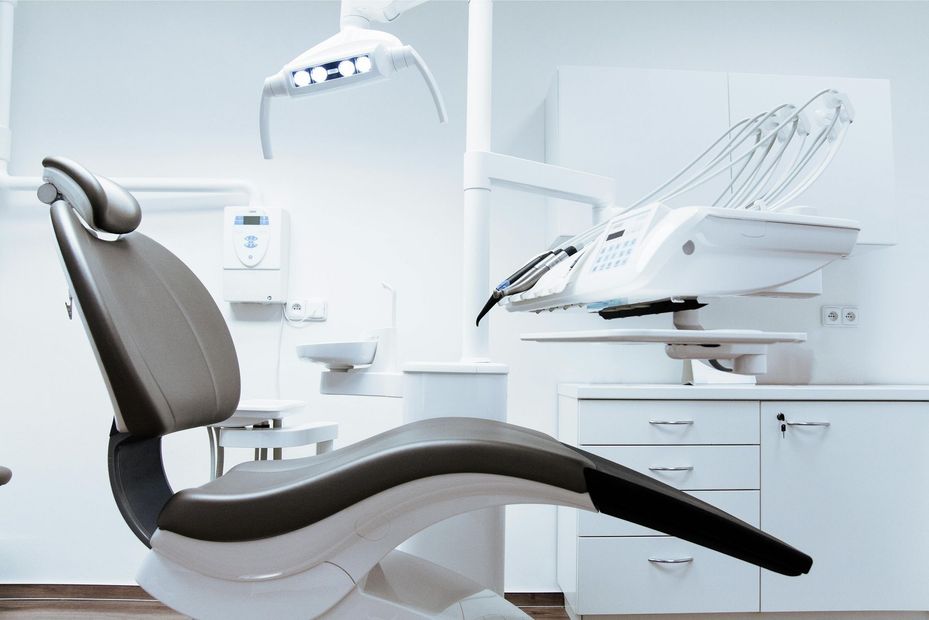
(343, 355)
(655, 253)
(256, 253)
(469, 544)
(349, 44)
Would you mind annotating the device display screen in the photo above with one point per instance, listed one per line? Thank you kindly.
(251, 220)
(616, 235)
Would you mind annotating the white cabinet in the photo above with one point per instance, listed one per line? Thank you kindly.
(855, 496)
(707, 447)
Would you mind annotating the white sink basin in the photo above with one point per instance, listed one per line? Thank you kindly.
(340, 355)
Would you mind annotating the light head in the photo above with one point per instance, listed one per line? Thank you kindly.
(353, 57)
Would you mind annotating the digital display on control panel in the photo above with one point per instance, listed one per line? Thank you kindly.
(616, 235)
(251, 220)
(619, 244)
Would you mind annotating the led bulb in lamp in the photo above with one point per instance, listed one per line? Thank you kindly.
(302, 78)
(346, 68)
(363, 64)
(319, 74)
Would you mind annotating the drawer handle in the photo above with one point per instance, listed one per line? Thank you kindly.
(677, 468)
(808, 423)
(670, 560)
(670, 422)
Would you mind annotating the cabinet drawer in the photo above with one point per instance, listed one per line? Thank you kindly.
(743, 505)
(691, 468)
(616, 576)
(650, 422)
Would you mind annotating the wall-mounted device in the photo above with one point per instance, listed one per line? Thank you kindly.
(256, 252)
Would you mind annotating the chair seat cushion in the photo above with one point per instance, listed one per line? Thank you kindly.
(269, 498)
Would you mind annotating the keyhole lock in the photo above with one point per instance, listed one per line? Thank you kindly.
(783, 420)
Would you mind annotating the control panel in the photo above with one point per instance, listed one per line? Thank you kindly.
(251, 238)
(622, 236)
(256, 248)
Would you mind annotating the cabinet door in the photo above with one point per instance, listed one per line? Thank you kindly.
(855, 496)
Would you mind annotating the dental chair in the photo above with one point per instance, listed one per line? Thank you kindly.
(313, 537)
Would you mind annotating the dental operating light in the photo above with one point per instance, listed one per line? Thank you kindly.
(355, 56)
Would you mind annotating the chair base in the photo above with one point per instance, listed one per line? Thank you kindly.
(401, 587)
(406, 587)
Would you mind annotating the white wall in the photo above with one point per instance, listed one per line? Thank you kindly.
(372, 183)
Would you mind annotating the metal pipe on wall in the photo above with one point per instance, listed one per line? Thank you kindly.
(7, 9)
(154, 185)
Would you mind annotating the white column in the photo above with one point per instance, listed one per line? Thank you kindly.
(475, 345)
(470, 544)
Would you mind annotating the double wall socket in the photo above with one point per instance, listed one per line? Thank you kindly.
(306, 310)
(840, 316)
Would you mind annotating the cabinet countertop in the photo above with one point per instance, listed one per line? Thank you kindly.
(605, 391)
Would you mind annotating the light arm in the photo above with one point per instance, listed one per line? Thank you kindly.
(264, 120)
(361, 13)
(404, 57)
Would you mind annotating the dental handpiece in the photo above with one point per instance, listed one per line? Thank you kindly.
(535, 274)
(498, 293)
(526, 276)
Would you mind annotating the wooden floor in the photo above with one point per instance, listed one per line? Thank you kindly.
(548, 605)
(64, 602)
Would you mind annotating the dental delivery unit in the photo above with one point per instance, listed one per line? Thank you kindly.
(652, 258)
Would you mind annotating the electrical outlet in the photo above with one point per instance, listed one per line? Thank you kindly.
(850, 317)
(295, 310)
(313, 309)
(831, 316)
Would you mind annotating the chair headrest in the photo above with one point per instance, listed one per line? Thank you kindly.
(102, 204)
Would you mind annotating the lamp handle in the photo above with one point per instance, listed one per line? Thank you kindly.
(264, 119)
(406, 55)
